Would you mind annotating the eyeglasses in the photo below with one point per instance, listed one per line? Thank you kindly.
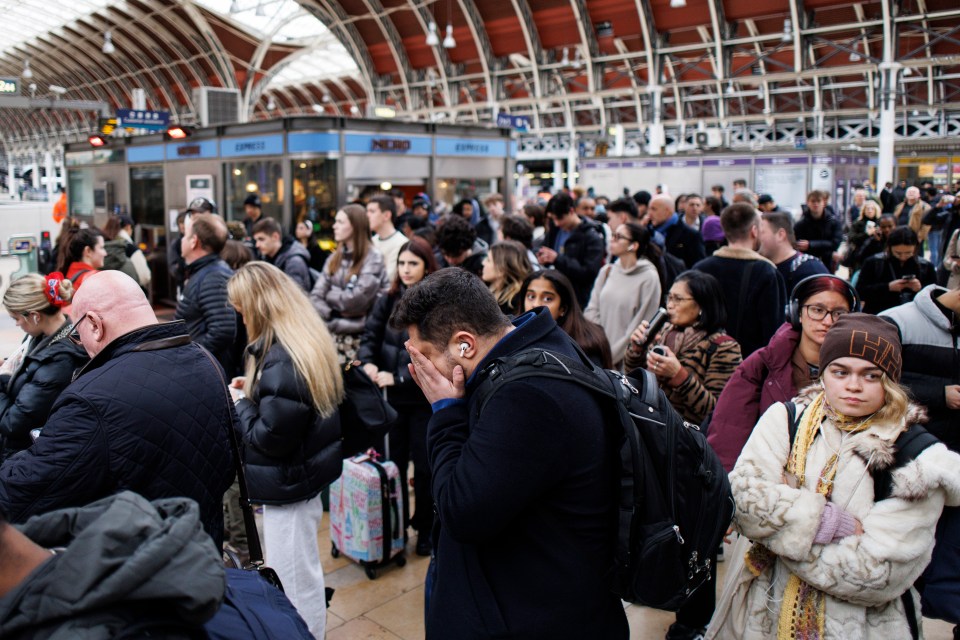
(816, 312)
(74, 334)
(618, 236)
(677, 299)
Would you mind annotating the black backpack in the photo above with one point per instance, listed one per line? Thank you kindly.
(673, 495)
(909, 444)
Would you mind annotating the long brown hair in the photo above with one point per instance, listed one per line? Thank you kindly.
(420, 248)
(511, 261)
(357, 215)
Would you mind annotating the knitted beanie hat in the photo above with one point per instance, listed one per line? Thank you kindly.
(864, 336)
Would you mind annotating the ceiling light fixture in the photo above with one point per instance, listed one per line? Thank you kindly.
(565, 60)
(271, 104)
(27, 72)
(787, 31)
(678, 4)
(855, 54)
(432, 38)
(448, 41)
(108, 47)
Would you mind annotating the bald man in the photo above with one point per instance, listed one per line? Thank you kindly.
(149, 413)
(679, 239)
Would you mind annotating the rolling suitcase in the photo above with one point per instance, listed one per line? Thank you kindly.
(366, 514)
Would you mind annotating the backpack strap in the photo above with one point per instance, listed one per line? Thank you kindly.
(791, 421)
(77, 275)
(910, 444)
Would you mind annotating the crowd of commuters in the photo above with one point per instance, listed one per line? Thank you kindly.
(512, 497)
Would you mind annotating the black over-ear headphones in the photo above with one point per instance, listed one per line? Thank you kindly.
(800, 292)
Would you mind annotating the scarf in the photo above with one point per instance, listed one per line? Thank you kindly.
(802, 607)
(682, 340)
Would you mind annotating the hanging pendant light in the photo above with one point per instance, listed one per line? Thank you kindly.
(108, 47)
(449, 42)
(432, 38)
(27, 72)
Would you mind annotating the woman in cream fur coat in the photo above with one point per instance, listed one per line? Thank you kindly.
(818, 557)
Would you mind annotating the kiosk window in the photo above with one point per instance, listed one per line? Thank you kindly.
(146, 194)
(314, 193)
(260, 177)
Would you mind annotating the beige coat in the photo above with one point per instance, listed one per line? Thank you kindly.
(862, 575)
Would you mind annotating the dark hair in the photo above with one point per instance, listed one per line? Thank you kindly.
(268, 226)
(817, 196)
(420, 248)
(642, 198)
(236, 254)
(428, 234)
(386, 204)
(560, 205)
(781, 220)
(76, 241)
(715, 204)
(112, 228)
(455, 236)
(625, 205)
(646, 248)
(903, 236)
(676, 201)
(517, 228)
(458, 208)
(357, 215)
(588, 335)
(450, 300)
(737, 220)
(708, 295)
(535, 211)
(210, 230)
(717, 187)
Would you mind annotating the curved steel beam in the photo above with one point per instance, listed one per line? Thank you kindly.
(484, 48)
(440, 55)
(395, 44)
(339, 24)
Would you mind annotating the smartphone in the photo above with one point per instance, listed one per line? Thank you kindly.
(909, 276)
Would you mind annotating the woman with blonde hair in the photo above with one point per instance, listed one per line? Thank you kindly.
(505, 267)
(33, 377)
(865, 226)
(837, 520)
(289, 426)
(350, 282)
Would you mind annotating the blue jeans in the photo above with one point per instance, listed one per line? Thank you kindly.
(933, 241)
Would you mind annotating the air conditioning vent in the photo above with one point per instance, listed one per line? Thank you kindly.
(216, 106)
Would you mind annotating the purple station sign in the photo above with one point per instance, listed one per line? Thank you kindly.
(727, 162)
(782, 160)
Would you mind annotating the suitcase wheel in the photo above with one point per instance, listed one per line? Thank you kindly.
(370, 571)
(400, 560)
(334, 551)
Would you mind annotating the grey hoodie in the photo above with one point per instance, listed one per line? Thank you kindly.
(131, 568)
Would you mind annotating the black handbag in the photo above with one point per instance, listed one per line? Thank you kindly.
(249, 520)
(365, 414)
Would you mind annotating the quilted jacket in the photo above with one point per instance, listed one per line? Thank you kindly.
(343, 300)
(382, 345)
(290, 453)
(27, 396)
(148, 414)
(294, 260)
(203, 306)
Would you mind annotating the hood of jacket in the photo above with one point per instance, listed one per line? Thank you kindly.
(121, 552)
(737, 253)
(288, 249)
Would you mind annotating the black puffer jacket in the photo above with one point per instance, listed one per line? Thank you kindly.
(294, 260)
(824, 235)
(203, 306)
(383, 346)
(290, 452)
(580, 258)
(28, 395)
(148, 414)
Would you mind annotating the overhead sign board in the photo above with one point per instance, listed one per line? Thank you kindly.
(9, 86)
(139, 119)
(507, 121)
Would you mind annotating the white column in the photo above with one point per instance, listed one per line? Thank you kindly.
(51, 173)
(656, 135)
(888, 121)
(558, 173)
(572, 156)
(35, 174)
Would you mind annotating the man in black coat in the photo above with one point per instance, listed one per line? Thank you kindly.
(203, 306)
(819, 232)
(754, 291)
(525, 489)
(679, 239)
(574, 246)
(149, 413)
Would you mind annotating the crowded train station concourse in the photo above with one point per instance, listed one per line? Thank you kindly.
(477, 319)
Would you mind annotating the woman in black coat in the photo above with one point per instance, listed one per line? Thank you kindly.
(33, 377)
(385, 360)
(290, 429)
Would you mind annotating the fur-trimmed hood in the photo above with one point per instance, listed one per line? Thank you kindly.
(935, 467)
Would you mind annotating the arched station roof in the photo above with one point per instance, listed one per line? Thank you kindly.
(570, 65)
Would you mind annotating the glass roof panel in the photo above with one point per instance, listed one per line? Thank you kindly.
(24, 20)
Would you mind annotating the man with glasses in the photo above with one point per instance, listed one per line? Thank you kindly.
(149, 414)
(574, 246)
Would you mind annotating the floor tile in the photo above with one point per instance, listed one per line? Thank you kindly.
(361, 629)
(403, 615)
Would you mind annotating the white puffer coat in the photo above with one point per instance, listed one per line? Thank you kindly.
(864, 575)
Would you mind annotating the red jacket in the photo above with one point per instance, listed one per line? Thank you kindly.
(760, 381)
(83, 269)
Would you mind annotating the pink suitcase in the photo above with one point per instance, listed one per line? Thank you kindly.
(365, 510)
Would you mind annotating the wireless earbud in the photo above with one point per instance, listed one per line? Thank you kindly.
(463, 348)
